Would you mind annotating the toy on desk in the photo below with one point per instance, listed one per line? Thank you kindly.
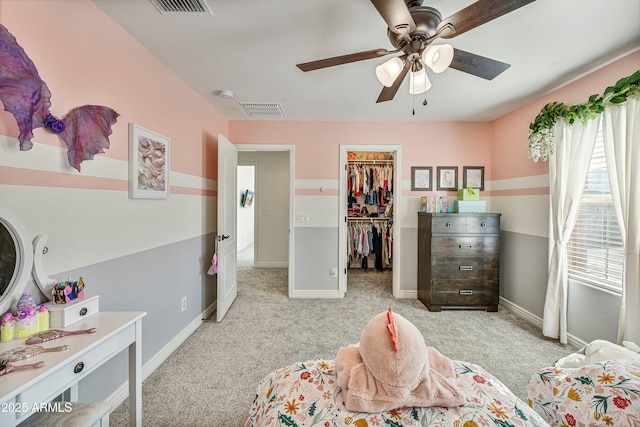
(28, 320)
(52, 334)
(66, 292)
(25, 352)
(6, 367)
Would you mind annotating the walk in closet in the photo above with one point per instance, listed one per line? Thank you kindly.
(370, 187)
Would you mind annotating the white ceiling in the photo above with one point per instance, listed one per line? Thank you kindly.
(252, 48)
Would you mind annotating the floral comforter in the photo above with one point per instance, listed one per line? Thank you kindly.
(306, 394)
(599, 394)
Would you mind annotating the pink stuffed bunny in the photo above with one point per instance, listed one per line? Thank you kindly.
(392, 368)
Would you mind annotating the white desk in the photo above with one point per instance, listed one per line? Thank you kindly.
(21, 390)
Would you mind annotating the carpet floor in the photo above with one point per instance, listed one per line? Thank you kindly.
(210, 380)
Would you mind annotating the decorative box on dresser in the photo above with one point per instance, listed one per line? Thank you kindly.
(459, 260)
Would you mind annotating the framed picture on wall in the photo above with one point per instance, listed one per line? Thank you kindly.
(473, 176)
(247, 199)
(148, 164)
(421, 178)
(447, 178)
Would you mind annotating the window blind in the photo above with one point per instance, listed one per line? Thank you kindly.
(595, 252)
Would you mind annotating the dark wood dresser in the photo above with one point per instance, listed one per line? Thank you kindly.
(459, 260)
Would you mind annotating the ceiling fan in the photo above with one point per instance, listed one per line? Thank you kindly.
(411, 29)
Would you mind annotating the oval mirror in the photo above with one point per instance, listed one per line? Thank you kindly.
(16, 260)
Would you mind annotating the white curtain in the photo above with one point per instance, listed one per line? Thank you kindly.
(568, 169)
(622, 149)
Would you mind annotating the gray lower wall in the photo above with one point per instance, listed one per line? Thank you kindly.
(409, 260)
(153, 281)
(313, 262)
(592, 314)
(523, 270)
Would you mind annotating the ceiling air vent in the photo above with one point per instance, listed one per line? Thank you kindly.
(264, 110)
(182, 6)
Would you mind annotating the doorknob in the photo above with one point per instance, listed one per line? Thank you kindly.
(223, 237)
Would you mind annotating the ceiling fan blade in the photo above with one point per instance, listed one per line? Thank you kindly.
(388, 93)
(477, 65)
(344, 59)
(396, 14)
(477, 14)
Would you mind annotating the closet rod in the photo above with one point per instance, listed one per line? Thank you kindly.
(369, 162)
(367, 219)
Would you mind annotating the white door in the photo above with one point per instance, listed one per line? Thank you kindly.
(227, 210)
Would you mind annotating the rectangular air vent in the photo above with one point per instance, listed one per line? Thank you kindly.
(182, 6)
(265, 110)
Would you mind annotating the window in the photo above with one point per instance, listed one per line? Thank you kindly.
(595, 252)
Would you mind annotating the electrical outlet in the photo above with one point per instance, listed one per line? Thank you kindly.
(184, 303)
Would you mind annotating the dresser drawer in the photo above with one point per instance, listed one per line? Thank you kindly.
(457, 268)
(464, 293)
(442, 246)
(448, 224)
(483, 224)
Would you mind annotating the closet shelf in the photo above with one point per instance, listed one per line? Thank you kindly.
(367, 218)
(370, 162)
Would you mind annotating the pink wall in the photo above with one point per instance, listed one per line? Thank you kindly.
(511, 130)
(423, 144)
(86, 58)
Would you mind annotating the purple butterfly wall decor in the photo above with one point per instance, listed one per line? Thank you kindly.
(85, 130)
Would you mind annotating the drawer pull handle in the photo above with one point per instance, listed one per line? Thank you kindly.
(465, 246)
(78, 368)
(83, 311)
(484, 224)
(466, 292)
(449, 225)
(466, 268)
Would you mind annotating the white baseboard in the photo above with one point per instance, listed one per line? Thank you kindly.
(408, 294)
(537, 321)
(122, 392)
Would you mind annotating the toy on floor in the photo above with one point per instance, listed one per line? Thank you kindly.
(599, 351)
(392, 367)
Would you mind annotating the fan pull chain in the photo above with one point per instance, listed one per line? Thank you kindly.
(413, 100)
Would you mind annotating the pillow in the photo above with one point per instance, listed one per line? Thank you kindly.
(599, 351)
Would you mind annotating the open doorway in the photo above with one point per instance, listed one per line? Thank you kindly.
(380, 215)
(246, 214)
(270, 234)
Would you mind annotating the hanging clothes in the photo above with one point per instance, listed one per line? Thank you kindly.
(369, 238)
(372, 181)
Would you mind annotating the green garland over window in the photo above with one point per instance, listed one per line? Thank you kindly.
(541, 141)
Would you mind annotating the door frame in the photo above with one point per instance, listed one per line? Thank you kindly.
(291, 150)
(397, 214)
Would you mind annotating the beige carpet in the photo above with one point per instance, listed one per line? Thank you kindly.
(211, 379)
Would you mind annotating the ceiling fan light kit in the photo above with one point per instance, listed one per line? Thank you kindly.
(411, 30)
(438, 57)
(389, 71)
(419, 82)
